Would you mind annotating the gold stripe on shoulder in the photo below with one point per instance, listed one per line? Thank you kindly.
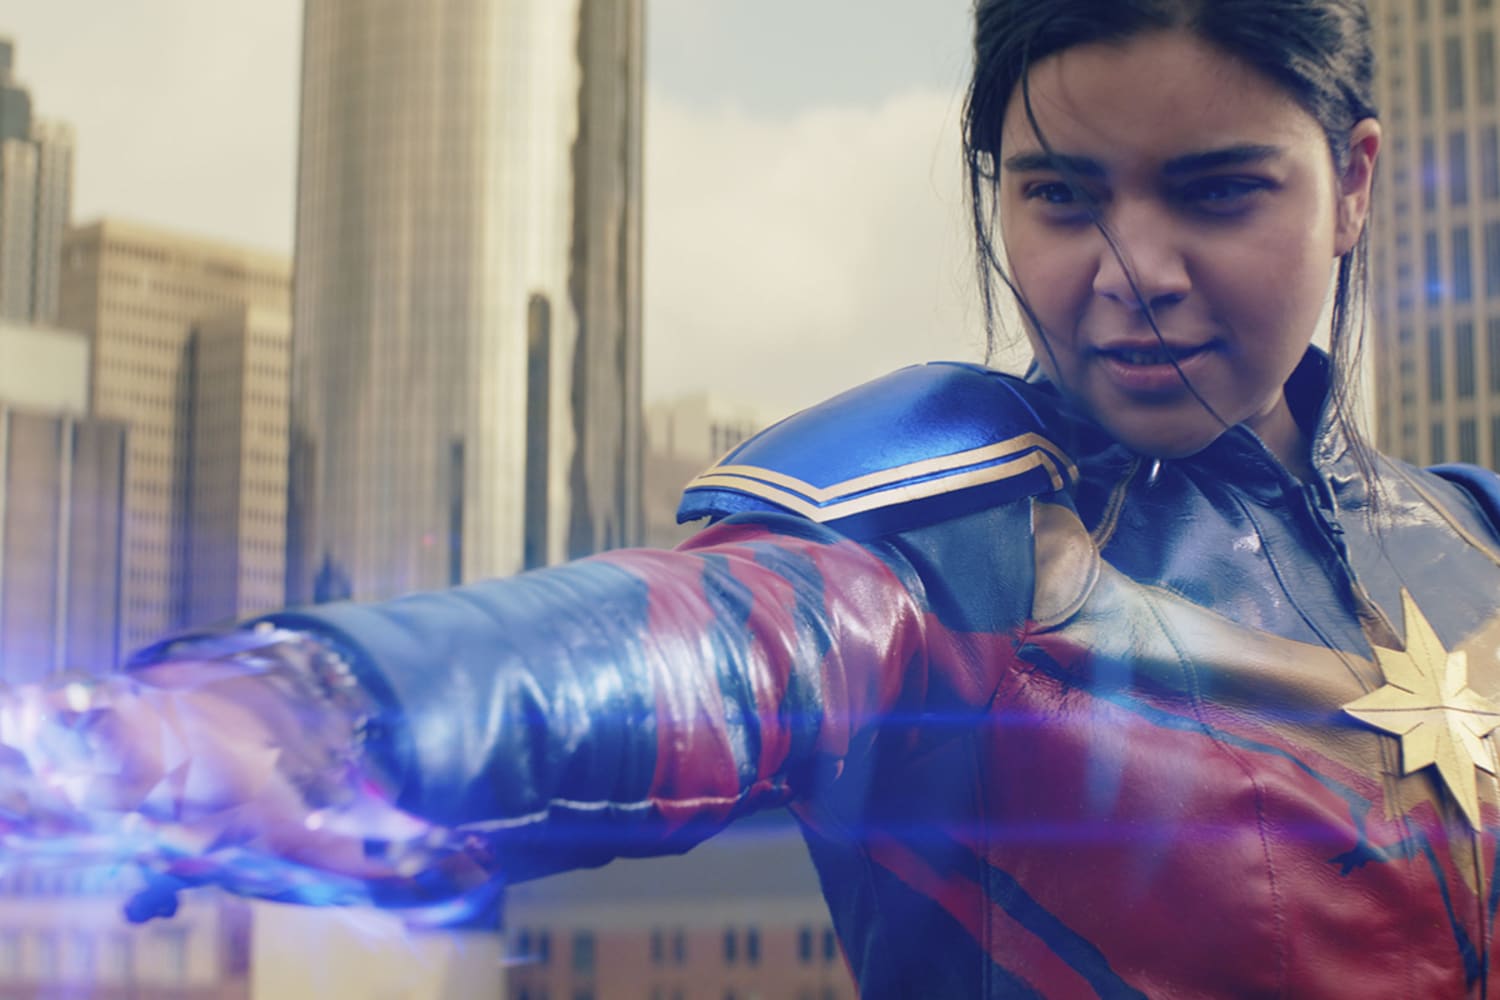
(1013, 457)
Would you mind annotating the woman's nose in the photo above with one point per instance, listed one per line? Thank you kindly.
(1141, 265)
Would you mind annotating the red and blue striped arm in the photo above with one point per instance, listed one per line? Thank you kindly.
(635, 702)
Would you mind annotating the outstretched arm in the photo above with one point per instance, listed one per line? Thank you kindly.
(629, 703)
(635, 701)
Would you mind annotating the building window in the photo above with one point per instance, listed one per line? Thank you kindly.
(1435, 363)
(731, 947)
(1429, 173)
(752, 946)
(1495, 442)
(1424, 77)
(1463, 359)
(1453, 71)
(1438, 439)
(830, 945)
(1492, 259)
(1484, 63)
(805, 945)
(1432, 264)
(1463, 267)
(1458, 168)
(679, 947)
(10, 954)
(1468, 441)
(583, 952)
(1492, 341)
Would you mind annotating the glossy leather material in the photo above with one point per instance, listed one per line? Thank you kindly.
(924, 444)
(1086, 742)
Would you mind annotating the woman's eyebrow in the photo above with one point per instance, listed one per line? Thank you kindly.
(1229, 156)
(1189, 163)
(1055, 162)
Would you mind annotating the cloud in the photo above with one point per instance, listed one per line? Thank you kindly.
(185, 113)
(789, 259)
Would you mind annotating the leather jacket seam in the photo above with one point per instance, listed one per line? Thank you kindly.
(1195, 695)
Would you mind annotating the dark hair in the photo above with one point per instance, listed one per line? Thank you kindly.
(1319, 51)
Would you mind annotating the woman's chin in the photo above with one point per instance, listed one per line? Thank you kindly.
(1162, 443)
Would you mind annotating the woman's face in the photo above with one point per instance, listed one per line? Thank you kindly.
(1221, 194)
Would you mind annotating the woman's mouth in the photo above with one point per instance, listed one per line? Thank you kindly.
(1153, 370)
(1158, 354)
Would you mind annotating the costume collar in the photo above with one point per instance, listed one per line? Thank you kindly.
(1239, 455)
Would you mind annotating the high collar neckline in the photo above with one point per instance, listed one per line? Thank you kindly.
(1239, 455)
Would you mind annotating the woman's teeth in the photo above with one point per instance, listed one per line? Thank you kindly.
(1153, 356)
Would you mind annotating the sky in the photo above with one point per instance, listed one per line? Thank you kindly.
(804, 229)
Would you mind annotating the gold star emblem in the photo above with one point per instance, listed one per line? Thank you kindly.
(1428, 703)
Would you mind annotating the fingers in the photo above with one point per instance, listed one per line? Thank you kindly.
(157, 899)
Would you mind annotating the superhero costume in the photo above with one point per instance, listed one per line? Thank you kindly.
(1056, 719)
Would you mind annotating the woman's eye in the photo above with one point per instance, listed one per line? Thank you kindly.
(1221, 194)
(1054, 193)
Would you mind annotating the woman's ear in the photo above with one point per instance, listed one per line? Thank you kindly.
(1354, 185)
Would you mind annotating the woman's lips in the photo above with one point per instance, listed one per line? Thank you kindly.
(1142, 369)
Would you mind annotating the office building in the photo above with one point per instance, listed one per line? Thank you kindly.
(153, 303)
(62, 935)
(740, 915)
(61, 489)
(466, 331)
(1435, 230)
(36, 193)
(237, 517)
(685, 436)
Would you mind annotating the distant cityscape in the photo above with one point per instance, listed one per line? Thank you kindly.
(453, 392)
(445, 384)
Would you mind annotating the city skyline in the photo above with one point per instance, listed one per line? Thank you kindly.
(802, 186)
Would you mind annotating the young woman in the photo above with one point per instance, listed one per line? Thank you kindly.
(1142, 676)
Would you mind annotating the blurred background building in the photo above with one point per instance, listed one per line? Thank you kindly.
(466, 338)
(685, 436)
(61, 496)
(1436, 232)
(36, 192)
(739, 916)
(152, 304)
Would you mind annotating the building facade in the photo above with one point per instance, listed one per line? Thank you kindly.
(466, 331)
(741, 916)
(1435, 232)
(152, 302)
(36, 194)
(62, 935)
(684, 437)
(61, 489)
(237, 514)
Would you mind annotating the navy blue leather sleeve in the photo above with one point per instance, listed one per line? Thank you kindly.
(636, 701)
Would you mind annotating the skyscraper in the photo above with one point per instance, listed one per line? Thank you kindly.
(36, 193)
(1436, 231)
(61, 490)
(154, 303)
(466, 328)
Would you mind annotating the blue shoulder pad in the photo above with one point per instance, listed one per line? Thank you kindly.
(1481, 484)
(920, 445)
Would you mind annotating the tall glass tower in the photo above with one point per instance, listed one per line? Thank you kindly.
(466, 314)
